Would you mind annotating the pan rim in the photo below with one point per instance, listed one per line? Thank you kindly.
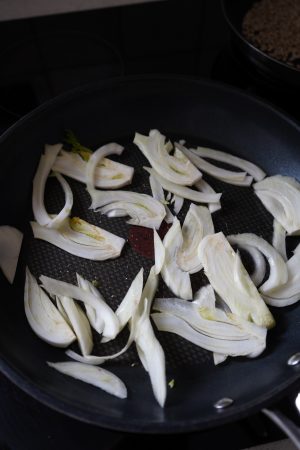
(82, 414)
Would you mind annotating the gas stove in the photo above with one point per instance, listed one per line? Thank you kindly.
(49, 55)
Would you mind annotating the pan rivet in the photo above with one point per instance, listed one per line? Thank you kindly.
(223, 403)
(294, 360)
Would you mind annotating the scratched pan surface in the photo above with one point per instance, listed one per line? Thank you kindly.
(201, 113)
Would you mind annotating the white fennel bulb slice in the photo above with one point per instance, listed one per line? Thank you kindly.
(281, 197)
(61, 288)
(279, 239)
(183, 191)
(101, 378)
(79, 323)
(227, 176)
(252, 169)
(181, 172)
(278, 269)
(197, 224)
(177, 280)
(143, 209)
(231, 281)
(108, 174)
(39, 182)
(43, 317)
(80, 238)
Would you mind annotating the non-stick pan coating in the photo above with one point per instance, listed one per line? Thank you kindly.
(201, 113)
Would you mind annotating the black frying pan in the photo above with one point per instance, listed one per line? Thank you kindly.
(200, 112)
(271, 70)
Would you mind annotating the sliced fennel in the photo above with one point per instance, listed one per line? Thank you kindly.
(39, 183)
(136, 307)
(10, 245)
(204, 152)
(278, 269)
(203, 186)
(96, 159)
(177, 203)
(184, 192)
(174, 324)
(259, 261)
(218, 332)
(228, 176)
(230, 280)
(94, 314)
(61, 288)
(143, 209)
(288, 293)
(158, 194)
(281, 197)
(43, 317)
(177, 280)
(151, 354)
(79, 324)
(108, 174)
(96, 376)
(279, 237)
(181, 172)
(197, 224)
(130, 302)
(159, 253)
(80, 238)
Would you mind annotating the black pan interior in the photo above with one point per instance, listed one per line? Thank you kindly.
(201, 113)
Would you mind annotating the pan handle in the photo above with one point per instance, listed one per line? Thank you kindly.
(285, 424)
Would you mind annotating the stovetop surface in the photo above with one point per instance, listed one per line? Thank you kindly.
(46, 56)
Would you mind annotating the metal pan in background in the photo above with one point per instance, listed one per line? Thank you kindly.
(272, 71)
(200, 112)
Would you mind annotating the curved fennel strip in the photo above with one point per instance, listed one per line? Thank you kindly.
(203, 186)
(79, 324)
(153, 147)
(93, 314)
(185, 192)
(10, 245)
(278, 269)
(177, 203)
(96, 157)
(137, 307)
(108, 174)
(158, 194)
(228, 176)
(288, 293)
(211, 321)
(279, 239)
(281, 197)
(61, 288)
(151, 354)
(197, 224)
(96, 376)
(39, 183)
(257, 173)
(43, 317)
(259, 261)
(230, 280)
(143, 209)
(174, 324)
(177, 280)
(159, 253)
(131, 301)
(80, 238)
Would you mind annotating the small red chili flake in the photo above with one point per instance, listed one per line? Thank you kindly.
(141, 239)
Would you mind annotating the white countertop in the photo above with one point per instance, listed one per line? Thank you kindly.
(21, 9)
